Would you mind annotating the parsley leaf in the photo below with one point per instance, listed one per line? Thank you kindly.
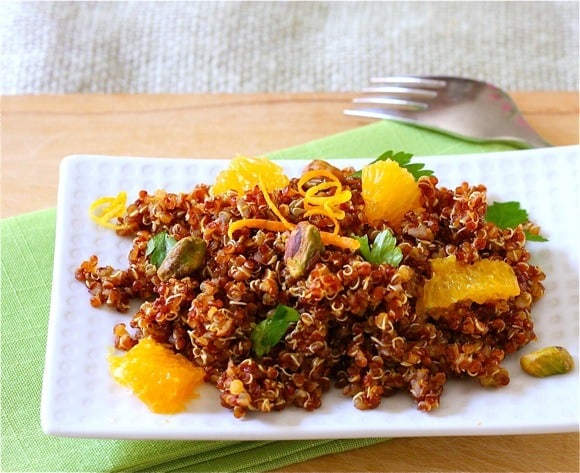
(510, 215)
(158, 247)
(532, 237)
(384, 249)
(506, 214)
(270, 331)
(403, 160)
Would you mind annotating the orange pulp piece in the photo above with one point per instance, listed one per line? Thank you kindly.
(163, 380)
(389, 191)
(244, 173)
(483, 281)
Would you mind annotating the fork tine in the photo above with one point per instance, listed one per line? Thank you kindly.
(392, 103)
(401, 91)
(410, 81)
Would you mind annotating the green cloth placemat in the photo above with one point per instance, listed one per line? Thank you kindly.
(27, 246)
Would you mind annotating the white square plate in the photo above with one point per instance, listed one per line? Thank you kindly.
(80, 399)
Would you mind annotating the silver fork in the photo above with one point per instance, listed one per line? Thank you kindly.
(466, 108)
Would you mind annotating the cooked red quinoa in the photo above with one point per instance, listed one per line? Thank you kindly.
(359, 328)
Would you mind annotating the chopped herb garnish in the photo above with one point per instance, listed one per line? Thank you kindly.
(403, 160)
(270, 331)
(506, 214)
(384, 249)
(510, 215)
(532, 237)
(158, 247)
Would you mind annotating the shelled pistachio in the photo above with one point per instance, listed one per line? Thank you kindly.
(186, 257)
(547, 361)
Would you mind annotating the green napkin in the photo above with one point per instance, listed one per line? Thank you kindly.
(27, 246)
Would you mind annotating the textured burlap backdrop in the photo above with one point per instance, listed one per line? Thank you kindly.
(184, 47)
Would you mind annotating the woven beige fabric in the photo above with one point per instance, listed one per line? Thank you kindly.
(194, 47)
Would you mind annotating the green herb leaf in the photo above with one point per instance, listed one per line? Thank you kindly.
(506, 214)
(404, 160)
(270, 331)
(158, 247)
(383, 250)
(532, 237)
(510, 215)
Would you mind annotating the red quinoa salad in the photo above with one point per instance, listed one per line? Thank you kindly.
(280, 289)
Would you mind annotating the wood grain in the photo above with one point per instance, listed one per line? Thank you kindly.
(38, 131)
(498, 454)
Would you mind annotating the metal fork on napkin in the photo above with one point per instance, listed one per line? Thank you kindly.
(466, 108)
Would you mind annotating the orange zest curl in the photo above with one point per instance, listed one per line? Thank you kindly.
(318, 203)
(314, 204)
(104, 209)
(264, 224)
(346, 243)
(270, 225)
(275, 226)
(271, 204)
(315, 173)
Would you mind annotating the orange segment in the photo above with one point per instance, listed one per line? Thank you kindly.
(389, 191)
(244, 172)
(483, 281)
(163, 380)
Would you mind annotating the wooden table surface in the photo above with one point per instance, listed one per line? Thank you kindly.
(37, 131)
